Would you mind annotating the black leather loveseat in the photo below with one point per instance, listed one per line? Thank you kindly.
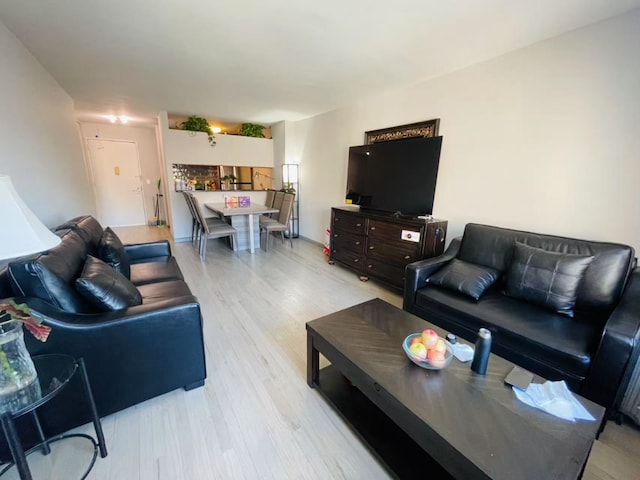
(585, 328)
(133, 353)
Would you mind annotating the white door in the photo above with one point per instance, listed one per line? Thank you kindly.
(117, 182)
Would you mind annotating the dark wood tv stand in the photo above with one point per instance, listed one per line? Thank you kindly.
(379, 245)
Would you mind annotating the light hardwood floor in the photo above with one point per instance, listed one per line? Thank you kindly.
(255, 417)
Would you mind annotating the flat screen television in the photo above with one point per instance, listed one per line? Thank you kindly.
(398, 176)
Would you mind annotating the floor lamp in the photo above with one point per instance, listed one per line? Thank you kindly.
(291, 178)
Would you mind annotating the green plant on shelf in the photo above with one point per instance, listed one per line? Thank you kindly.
(251, 130)
(199, 124)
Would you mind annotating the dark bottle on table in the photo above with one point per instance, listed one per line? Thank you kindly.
(482, 352)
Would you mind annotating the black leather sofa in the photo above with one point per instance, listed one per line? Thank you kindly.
(131, 354)
(591, 350)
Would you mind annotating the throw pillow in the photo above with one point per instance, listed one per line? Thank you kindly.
(111, 251)
(465, 277)
(106, 288)
(550, 279)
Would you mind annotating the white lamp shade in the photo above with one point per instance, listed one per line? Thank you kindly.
(22, 232)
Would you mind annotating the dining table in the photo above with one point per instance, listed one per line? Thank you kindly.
(244, 220)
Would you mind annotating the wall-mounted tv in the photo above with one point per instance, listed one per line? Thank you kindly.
(395, 176)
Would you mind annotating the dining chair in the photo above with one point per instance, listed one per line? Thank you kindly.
(196, 227)
(195, 221)
(270, 196)
(213, 228)
(280, 224)
(277, 203)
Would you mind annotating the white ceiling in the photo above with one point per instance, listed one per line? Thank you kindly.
(266, 61)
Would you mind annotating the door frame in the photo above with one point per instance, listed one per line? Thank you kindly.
(89, 166)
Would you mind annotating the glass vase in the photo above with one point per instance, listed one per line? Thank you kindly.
(19, 384)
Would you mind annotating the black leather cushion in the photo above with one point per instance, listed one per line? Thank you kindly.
(111, 251)
(549, 279)
(161, 270)
(158, 292)
(529, 335)
(148, 252)
(603, 281)
(106, 288)
(51, 275)
(87, 227)
(465, 278)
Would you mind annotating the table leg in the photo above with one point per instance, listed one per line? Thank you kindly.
(46, 449)
(94, 411)
(313, 362)
(13, 441)
(251, 249)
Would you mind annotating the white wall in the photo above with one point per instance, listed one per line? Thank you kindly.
(145, 137)
(193, 148)
(39, 141)
(279, 135)
(544, 138)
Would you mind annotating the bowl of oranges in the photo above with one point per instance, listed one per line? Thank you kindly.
(428, 350)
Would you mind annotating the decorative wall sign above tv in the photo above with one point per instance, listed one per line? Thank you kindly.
(428, 128)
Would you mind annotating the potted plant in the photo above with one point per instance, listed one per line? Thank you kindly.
(251, 130)
(288, 188)
(199, 124)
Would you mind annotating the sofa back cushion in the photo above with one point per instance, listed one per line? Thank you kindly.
(111, 250)
(550, 279)
(51, 275)
(602, 283)
(88, 228)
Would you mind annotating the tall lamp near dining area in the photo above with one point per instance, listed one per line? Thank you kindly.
(291, 180)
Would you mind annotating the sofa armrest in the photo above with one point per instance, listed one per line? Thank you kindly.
(605, 382)
(139, 252)
(132, 354)
(417, 273)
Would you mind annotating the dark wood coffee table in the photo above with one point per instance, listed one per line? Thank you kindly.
(435, 424)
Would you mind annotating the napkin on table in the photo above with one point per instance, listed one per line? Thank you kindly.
(555, 399)
(462, 352)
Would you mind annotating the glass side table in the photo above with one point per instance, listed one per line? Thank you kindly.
(54, 373)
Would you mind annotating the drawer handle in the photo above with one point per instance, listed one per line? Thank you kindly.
(373, 228)
(356, 260)
(371, 247)
(369, 266)
(407, 257)
(337, 219)
(357, 243)
(335, 235)
(334, 250)
(358, 224)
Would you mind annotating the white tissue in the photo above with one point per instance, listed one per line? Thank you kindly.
(462, 352)
(555, 399)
